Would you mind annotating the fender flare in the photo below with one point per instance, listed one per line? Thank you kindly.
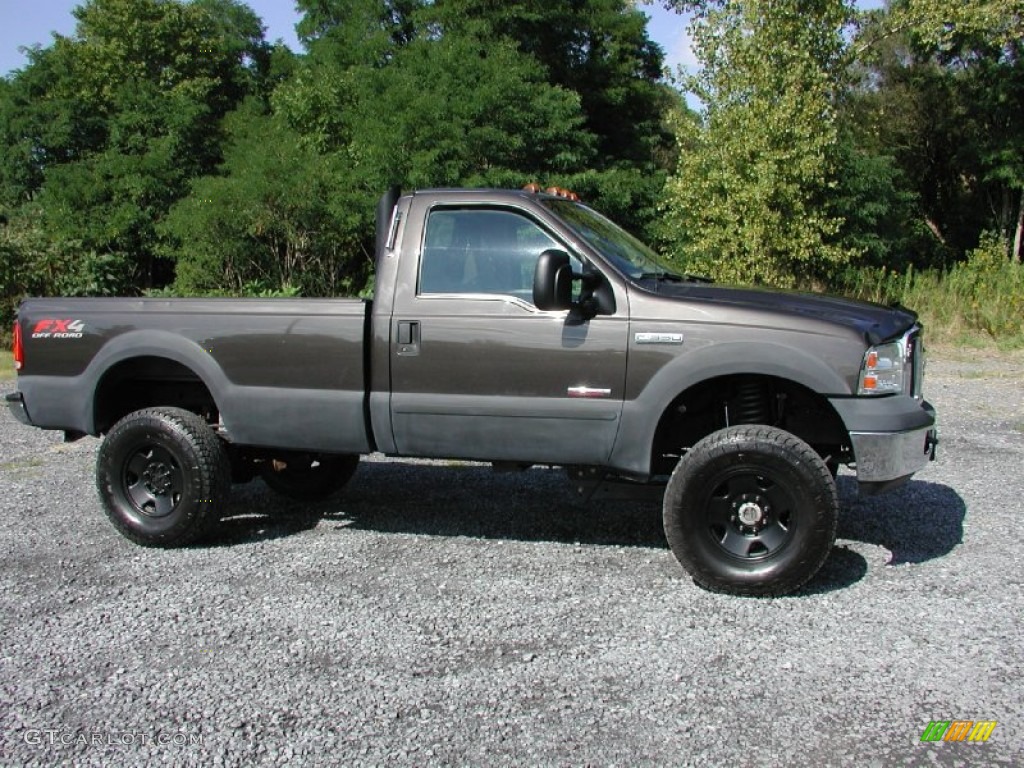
(641, 416)
(152, 343)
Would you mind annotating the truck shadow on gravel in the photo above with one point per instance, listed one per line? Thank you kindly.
(918, 522)
(469, 501)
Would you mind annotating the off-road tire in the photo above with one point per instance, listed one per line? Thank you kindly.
(751, 510)
(163, 475)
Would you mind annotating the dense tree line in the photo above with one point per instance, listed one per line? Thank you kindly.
(166, 146)
(832, 139)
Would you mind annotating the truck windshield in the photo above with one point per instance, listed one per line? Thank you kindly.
(623, 251)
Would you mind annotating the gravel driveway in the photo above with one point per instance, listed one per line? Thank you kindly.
(445, 614)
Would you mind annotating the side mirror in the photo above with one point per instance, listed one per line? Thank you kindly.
(552, 281)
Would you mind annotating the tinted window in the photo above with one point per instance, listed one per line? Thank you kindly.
(481, 251)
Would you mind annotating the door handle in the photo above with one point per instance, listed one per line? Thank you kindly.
(408, 338)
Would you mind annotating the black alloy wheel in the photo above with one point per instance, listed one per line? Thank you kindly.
(751, 510)
(163, 476)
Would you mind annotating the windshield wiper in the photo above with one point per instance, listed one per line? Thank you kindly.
(672, 277)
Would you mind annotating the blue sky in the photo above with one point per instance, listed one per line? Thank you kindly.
(28, 23)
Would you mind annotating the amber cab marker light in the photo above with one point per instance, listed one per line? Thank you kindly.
(19, 351)
(568, 194)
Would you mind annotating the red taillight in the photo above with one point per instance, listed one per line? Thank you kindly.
(19, 351)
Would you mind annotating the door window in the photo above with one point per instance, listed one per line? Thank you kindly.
(481, 251)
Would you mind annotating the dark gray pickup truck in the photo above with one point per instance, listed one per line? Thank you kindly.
(516, 327)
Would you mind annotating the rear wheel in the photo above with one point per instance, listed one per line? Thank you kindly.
(163, 476)
(309, 476)
(751, 510)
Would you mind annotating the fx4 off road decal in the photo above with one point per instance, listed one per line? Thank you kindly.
(56, 328)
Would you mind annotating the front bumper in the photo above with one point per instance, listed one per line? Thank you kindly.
(887, 460)
(892, 438)
(16, 405)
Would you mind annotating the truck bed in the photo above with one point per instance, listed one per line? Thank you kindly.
(284, 372)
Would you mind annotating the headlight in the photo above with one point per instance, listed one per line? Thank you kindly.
(883, 370)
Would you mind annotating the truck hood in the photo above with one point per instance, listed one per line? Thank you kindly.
(877, 323)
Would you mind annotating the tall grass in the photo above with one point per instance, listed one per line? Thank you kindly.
(976, 301)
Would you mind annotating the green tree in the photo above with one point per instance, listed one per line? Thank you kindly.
(748, 200)
(583, 103)
(357, 32)
(105, 128)
(949, 26)
(277, 218)
(941, 90)
(382, 98)
(27, 260)
(465, 113)
(598, 49)
(43, 124)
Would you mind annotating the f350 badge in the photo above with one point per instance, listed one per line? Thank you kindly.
(55, 328)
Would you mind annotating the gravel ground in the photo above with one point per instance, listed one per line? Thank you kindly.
(449, 615)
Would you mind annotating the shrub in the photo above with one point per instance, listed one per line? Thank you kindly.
(982, 296)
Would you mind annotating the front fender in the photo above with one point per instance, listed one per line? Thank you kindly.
(642, 414)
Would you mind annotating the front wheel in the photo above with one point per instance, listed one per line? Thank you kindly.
(751, 510)
(163, 476)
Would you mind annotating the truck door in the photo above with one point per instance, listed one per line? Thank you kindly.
(477, 371)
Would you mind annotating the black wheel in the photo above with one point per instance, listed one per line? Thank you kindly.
(751, 510)
(309, 476)
(163, 476)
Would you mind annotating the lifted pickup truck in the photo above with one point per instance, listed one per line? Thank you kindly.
(517, 327)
